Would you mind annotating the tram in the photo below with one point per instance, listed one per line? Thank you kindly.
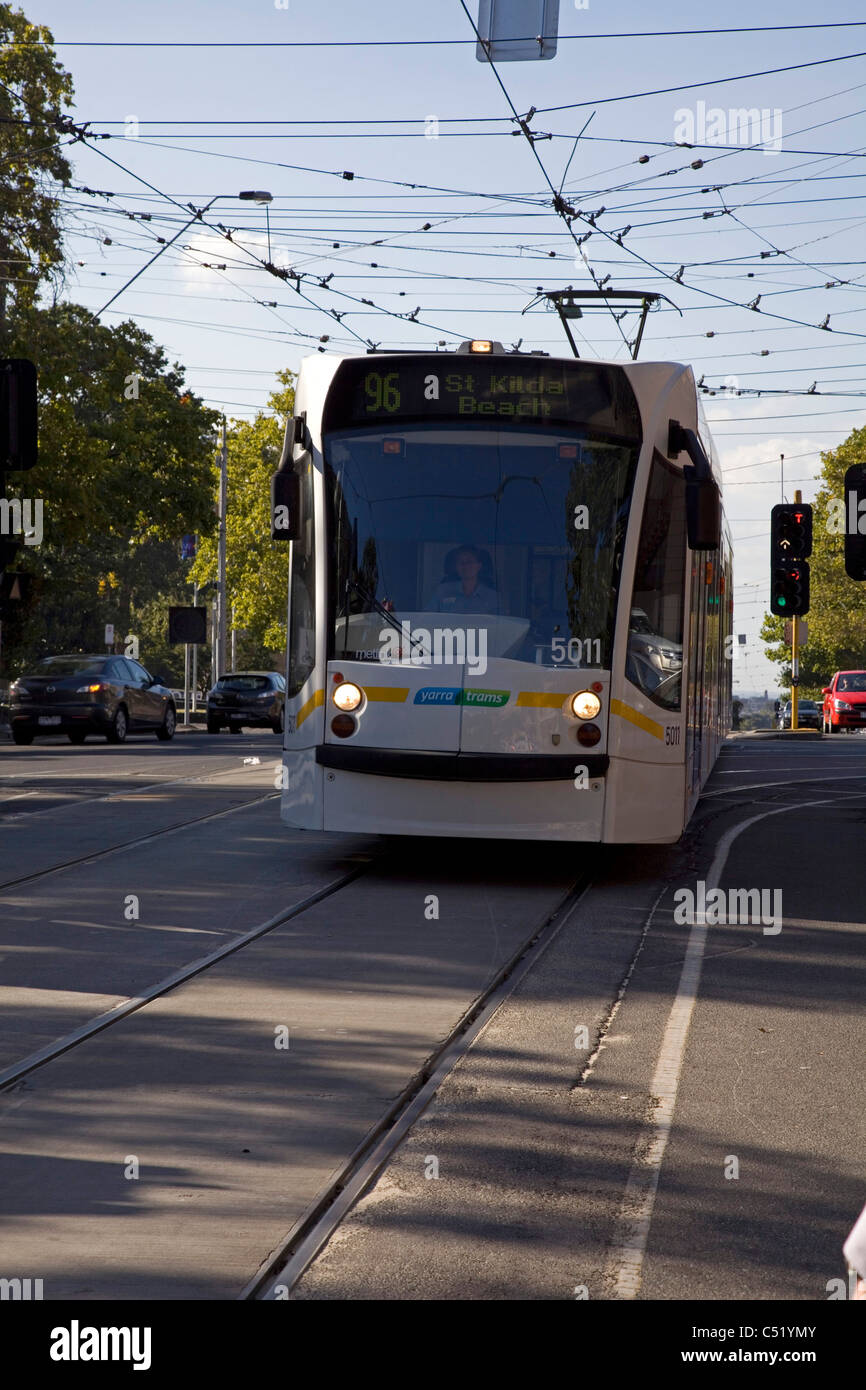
(510, 597)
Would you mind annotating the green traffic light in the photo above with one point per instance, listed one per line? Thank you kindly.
(781, 602)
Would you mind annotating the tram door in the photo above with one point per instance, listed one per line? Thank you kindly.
(695, 708)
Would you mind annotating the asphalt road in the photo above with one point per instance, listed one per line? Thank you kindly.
(168, 1155)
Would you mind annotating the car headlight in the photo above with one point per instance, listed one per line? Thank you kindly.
(842, 704)
(585, 704)
(91, 689)
(347, 697)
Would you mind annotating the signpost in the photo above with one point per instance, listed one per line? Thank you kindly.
(187, 625)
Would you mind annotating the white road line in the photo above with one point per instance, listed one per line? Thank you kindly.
(785, 782)
(624, 1265)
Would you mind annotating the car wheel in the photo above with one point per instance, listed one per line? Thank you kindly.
(236, 728)
(278, 723)
(168, 725)
(119, 726)
(77, 736)
(213, 725)
(22, 736)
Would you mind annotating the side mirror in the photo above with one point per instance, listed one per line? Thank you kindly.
(703, 514)
(826, 690)
(285, 505)
(703, 503)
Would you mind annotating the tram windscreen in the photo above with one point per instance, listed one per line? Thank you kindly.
(519, 531)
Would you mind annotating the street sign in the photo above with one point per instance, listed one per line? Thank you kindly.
(109, 634)
(802, 632)
(514, 31)
(187, 625)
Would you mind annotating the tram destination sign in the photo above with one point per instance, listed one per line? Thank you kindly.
(443, 386)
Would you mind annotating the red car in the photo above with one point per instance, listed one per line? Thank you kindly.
(845, 702)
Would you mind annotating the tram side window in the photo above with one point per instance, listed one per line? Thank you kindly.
(655, 643)
(302, 635)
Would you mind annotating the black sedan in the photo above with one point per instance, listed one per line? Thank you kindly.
(247, 697)
(808, 715)
(81, 695)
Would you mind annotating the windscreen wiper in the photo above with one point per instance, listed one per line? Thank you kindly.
(380, 608)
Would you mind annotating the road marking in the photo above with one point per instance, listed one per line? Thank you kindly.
(624, 1265)
(785, 782)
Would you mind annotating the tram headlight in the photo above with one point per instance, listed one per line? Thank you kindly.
(347, 697)
(585, 704)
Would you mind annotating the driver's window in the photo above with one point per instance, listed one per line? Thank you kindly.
(654, 659)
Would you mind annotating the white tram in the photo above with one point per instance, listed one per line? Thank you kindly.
(510, 598)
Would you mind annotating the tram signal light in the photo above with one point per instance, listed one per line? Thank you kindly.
(855, 521)
(789, 590)
(790, 532)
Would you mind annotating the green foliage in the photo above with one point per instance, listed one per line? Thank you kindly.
(837, 618)
(125, 468)
(31, 155)
(256, 566)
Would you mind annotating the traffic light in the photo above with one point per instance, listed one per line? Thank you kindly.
(187, 625)
(855, 519)
(789, 589)
(18, 414)
(790, 544)
(790, 532)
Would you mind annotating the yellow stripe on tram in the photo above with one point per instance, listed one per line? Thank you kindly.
(390, 694)
(313, 703)
(633, 716)
(541, 699)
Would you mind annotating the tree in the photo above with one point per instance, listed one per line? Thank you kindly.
(125, 469)
(837, 616)
(256, 566)
(33, 89)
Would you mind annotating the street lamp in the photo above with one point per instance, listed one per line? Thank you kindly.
(259, 195)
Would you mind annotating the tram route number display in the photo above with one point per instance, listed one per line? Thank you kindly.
(537, 391)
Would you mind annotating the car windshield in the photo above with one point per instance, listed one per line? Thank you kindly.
(521, 529)
(806, 704)
(853, 680)
(69, 666)
(242, 683)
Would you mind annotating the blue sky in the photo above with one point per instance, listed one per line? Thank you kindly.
(477, 265)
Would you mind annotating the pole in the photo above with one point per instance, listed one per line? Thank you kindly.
(782, 466)
(194, 656)
(221, 637)
(233, 637)
(268, 217)
(186, 683)
(795, 652)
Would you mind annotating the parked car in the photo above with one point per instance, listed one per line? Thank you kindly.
(241, 698)
(845, 702)
(808, 715)
(80, 695)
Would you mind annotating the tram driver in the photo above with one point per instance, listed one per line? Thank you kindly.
(465, 593)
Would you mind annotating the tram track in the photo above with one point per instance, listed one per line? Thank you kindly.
(14, 1074)
(286, 1266)
(126, 845)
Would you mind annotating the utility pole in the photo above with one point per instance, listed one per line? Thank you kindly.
(795, 653)
(221, 578)
(194, 654)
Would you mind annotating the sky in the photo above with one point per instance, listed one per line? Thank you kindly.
(448, 217)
